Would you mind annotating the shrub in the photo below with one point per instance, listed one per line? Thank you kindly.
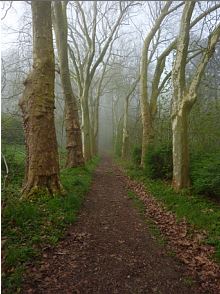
(136, 155)
(205, 174)
(159, 163)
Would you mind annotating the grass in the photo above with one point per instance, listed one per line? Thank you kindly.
(28, 226)
(199, 211)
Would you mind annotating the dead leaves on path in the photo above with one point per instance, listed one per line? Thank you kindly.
(184, 240)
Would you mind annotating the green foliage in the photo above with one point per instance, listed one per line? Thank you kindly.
(159, 163)
(200, 212)
(12, 130)
(15, 158)
(136, 155)
(30, 225)
(205, 174)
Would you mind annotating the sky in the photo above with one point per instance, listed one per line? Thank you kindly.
(11, 23)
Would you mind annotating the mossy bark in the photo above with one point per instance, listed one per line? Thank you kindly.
(37, 105)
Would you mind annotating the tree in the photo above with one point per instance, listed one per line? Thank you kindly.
(72, 125)
(37, 105)
(148, 104)
(149, 97)
(185, 94)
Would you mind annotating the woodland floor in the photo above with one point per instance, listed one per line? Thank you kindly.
(108, 250)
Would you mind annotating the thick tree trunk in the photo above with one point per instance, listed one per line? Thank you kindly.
(180, 150)
(86, 135)
(37, 105)
(72, 125)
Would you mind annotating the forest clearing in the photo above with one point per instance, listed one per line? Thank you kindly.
(110, 147)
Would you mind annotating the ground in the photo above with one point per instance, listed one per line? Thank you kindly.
(109, 249)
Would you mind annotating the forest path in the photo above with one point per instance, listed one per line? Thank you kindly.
(108, 250)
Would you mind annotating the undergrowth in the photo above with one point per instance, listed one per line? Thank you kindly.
(30, 226)
(199, 211)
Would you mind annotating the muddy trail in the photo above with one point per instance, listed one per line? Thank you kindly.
(108, 250)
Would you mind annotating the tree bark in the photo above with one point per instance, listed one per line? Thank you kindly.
(37, 105)
(180, 150)
(95, 126)
(72, 125)
(86, 135)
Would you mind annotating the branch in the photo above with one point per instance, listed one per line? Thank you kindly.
(102, 54)
(182, 46)
(84, 28)
(207, 54)
(6, 12)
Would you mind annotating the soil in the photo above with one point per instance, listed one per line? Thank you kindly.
(108, 250)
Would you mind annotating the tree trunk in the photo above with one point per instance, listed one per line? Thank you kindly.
(147, 124)
(124, 149)
(37, 105)
(147, 131)
(96, 125)
(180, 150)
(86, 136)
(72, 125)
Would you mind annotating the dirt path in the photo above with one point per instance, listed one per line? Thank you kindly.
(108, 250)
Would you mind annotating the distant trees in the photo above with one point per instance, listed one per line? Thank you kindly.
(125, 133)
(37, 105)
(88, 48)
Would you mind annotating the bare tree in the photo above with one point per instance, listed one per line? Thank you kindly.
(149, 97)
(147, 103)
(72, 125)
(185, 94)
